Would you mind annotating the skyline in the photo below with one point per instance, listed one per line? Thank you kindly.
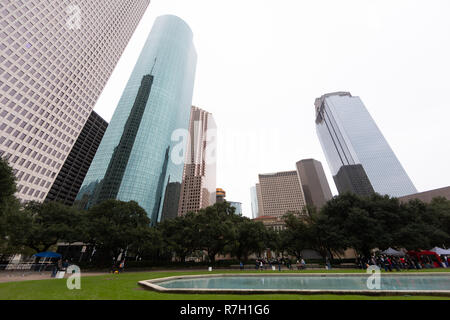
(258, 79)
(138, 158)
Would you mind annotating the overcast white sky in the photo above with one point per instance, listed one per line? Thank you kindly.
(262, 63)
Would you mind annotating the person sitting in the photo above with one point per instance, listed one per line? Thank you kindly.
(65, 265)
(388, 263)
(418, 265)
(396, 264)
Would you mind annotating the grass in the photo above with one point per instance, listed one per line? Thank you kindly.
(124, 287)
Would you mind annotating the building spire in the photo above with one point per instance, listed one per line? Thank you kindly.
(154, 63)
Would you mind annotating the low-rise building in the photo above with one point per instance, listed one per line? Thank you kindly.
(272, 222)
(427, 196)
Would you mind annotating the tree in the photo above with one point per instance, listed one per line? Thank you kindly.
(440, 209)
(298, 234)
(362, 230)
(7, 180)
(422, 226)
(250, 238)
(273, 241)
(180, 235)
(350, 220)
(328, 239)
(215, 229)
(149, 245)
(115, 226)
(41, 225)
(9, 205)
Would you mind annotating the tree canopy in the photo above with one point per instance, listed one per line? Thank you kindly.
(346, 221)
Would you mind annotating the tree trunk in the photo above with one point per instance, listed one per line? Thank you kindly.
(331, 255)
(212, 257)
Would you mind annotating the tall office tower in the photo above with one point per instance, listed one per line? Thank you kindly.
(198, 189)
(220, 195)
(281, 192)
(314, 182)
(254, 202)
(55, 59)
(71, 176)
(349, 136)
(259, 199)
(141, 152)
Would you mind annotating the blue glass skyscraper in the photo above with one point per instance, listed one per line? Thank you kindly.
(357, 153)
(135, 158)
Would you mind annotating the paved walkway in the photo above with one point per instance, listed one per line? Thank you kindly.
(13, 276)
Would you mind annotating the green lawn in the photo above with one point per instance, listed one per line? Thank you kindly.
(124, 286)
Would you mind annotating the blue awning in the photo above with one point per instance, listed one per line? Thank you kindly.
(48, 254)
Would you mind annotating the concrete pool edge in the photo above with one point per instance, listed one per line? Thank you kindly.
(152, 285)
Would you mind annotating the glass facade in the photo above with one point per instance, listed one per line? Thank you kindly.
(254, 202)
(238, 208)
(135, 160)
(349, 136)
(71, 176)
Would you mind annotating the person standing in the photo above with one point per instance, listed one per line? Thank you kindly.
(328, 263)
(55, 269)
(122, 266)
(60, 266)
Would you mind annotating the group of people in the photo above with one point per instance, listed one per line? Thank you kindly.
(261, 264)
(390, 263)
(60, 266)
(118, 266)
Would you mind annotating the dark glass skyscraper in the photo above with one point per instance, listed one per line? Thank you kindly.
(140, 152)
(71, 176)
(349, 136)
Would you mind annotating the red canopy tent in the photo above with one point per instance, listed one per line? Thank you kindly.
(419, 255)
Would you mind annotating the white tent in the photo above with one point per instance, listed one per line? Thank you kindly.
(393, 252)
(441, 251)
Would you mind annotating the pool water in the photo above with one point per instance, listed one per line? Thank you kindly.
(311, 283)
